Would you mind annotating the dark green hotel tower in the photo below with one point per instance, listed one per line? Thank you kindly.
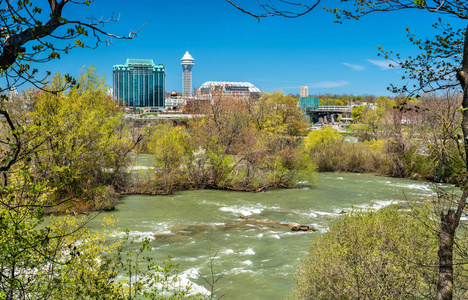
(140, 83)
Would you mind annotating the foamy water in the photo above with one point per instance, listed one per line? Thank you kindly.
(256, 260)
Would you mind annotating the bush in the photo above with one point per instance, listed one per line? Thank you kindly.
(319, 138)
(342, 156)
(385, 254)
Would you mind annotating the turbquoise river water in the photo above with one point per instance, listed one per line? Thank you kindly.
(257, 260)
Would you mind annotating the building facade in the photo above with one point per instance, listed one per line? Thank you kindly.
(174, 100)
(235, 89)
(187, 63)
(139, 83)
(308, 103)
(304, 91)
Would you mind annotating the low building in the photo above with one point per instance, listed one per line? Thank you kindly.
(308, 103)
(174, 100)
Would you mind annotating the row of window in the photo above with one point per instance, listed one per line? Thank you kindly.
(139, 87)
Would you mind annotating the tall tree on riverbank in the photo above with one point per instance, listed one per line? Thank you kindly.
(440, 129)
(29, 35)
(33, 34)
(442, 63)
(85, 137)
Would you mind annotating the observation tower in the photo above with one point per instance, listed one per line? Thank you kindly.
(187, 63)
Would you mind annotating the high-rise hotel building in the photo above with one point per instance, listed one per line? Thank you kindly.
(139, 83)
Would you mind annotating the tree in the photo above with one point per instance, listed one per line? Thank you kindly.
(169, 144)
(444, 59)
(82, 134)
(287, 8)
(370, 119)
(442, 63)
(440, 129)
(277, 113)
(28, 35)
(319, 138)
(403, 147)
(357, 112)
(248, 143)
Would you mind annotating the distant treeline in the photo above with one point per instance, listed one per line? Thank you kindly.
(399, 137)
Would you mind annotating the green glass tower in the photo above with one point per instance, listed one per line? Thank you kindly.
(140, 83)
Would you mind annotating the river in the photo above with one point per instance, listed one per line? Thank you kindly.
(257, 260)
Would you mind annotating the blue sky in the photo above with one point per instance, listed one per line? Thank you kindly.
(273, 54)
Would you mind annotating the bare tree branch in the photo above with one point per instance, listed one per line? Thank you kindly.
(271, 10)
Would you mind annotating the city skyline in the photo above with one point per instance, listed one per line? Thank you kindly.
(273, 54)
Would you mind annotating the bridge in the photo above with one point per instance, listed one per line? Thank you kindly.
(328, 113)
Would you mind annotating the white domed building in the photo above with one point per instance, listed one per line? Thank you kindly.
(236, 89)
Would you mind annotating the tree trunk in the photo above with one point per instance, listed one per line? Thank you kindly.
(439, 170)
(450, 220)
(446, 239)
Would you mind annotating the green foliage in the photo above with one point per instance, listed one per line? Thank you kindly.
(290, 167)
(357, 112)
(384, 254)
(331, 102)
(80, 129)
(342, 156)
(39, 33)
(169, 145)
(44, 263)
(369, 122)
(319, 138)
(64, 260)
(277, 113)
(385, 102)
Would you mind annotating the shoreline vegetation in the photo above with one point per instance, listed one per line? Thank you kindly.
(84, 146)
(398, 137)
(415, 139)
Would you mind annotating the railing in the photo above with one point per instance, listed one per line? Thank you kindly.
(335, 108)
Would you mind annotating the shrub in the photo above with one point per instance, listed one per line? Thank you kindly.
(385, 254)
(342, 156)
(319, 138)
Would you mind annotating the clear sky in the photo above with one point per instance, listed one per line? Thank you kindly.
(273, 54)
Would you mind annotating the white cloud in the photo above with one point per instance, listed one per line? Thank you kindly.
(382, 64)
(328, 84)
(354, 67)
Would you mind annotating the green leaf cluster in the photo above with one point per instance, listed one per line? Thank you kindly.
(319, 138)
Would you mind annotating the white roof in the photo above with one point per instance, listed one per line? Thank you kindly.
(187, 56)
(210, 84)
